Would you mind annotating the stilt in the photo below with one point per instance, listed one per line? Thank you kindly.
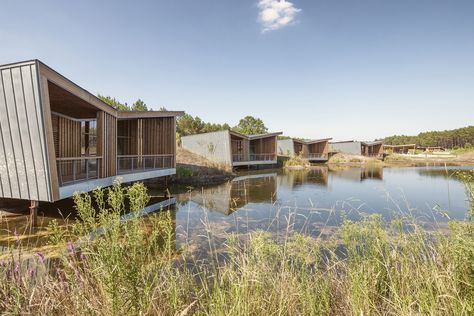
(34, 213)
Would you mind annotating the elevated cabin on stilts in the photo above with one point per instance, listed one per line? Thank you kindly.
(313, 150)
(370, 149)
(234, 149)
(57, 138)
(400, 149)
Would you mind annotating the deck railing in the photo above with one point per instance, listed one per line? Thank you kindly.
(253, 157)
(262, 157)
(374, 155)
(140, 163)
(317, 156)
(77, 169)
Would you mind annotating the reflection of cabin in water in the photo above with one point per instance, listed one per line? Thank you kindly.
(235, 194)
(234, 149)
(313, 150)
(358, 174)
(316, 175)
(371, 173)
(369, 149)
(57, 138)
(400, 149)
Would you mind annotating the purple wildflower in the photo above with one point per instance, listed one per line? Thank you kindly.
(41, 256)
(71, 248)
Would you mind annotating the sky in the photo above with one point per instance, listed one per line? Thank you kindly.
(345, 69)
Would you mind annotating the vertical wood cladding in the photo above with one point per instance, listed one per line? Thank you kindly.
(263, 145)
(157, 136)
(107, 143)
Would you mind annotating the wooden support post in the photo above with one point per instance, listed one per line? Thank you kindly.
(34, 213)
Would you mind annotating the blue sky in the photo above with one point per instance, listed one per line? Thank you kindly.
(337, 68)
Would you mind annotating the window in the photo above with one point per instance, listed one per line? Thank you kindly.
(89, 138)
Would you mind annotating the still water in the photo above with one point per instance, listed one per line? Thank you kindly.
(310, 201)
(313, 201)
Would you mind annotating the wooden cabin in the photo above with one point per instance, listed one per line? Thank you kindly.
(372, 149)
(234, 149)
(431, 149)
(400, 149)
(313, 150)
(369, 149)
(57, 138)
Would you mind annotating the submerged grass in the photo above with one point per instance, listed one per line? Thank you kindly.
(133, 267)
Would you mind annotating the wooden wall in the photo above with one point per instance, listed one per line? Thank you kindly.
(158, 136)
(107, 143)
(127, 137)
(239, 146)
(298, 148)
(67, 137)
(318, 148)
(263, 145)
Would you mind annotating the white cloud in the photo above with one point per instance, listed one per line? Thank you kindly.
(275, 14)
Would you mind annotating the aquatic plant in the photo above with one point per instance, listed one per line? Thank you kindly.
(110, 266)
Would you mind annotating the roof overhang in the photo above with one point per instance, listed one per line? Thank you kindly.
(400, 146)
(147, 114)
(372, 143)
(315, 141)
(259, 136)
(85, 99)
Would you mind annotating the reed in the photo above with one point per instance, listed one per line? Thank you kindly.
(133, 267)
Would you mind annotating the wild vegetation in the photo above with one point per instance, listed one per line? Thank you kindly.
(297, 161)
(110, 266)
(342, 158)
(452, 139)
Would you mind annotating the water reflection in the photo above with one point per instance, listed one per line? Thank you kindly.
(429, 192)
(295, 178)
(358, 174)
(310, 201)
(235, 194)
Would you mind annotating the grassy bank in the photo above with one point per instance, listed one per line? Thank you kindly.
(133, 267)
(356, 160)
(296, 162)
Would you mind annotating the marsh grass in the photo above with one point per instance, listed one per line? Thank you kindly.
(297, 161)
(133, 267)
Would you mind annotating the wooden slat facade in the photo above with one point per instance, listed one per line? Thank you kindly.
(54, 134)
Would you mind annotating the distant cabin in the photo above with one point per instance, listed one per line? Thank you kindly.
(313, 150)
(400, 149)
(57, 138)
(234, 149)
(369, 149)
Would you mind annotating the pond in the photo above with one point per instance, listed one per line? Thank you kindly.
(314, 201)
(309, 201)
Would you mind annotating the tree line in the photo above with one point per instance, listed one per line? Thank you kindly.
(189, 125)
(451, 139)
(248, 125)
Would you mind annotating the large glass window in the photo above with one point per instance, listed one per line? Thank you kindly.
(89, 138)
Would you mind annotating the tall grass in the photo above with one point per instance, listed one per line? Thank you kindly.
(110, 267)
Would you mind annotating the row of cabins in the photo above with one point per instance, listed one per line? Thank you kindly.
(56, 139)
